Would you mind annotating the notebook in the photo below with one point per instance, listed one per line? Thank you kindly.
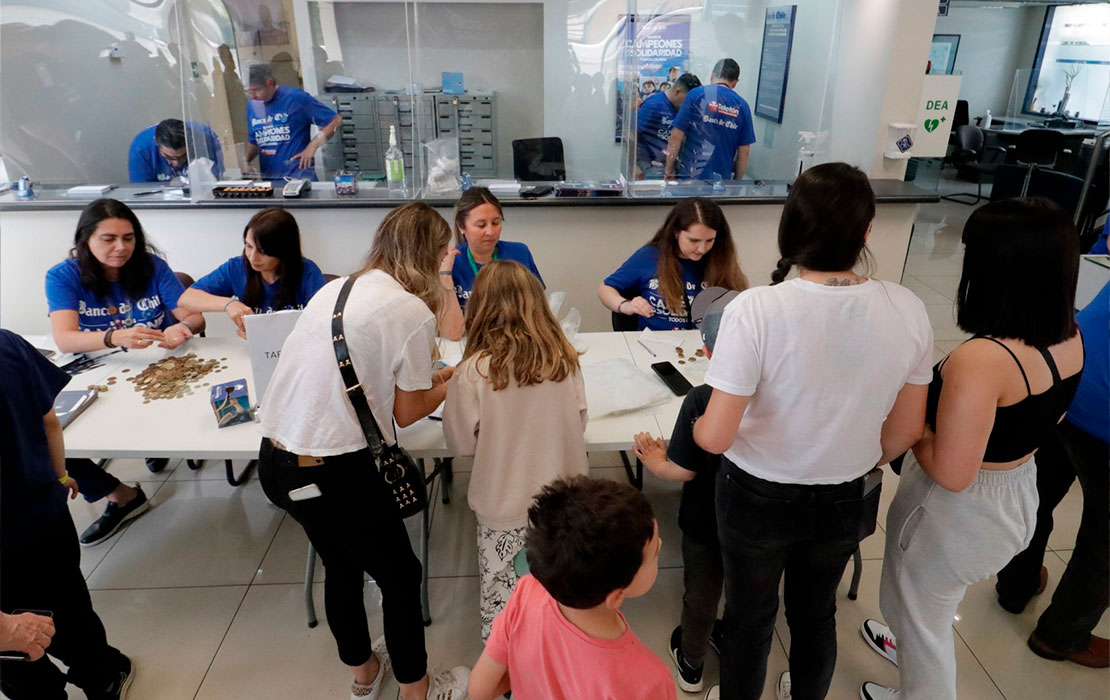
(69, 404)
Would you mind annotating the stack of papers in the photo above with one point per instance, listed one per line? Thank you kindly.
(89, 190)
(510, 187)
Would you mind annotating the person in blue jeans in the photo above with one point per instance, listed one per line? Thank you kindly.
(712, 135)
(160, 154)
(816, 380)
(270, 275)
(114, 291)
(692, 250)
(279, 120)
(685, 461)
(478, 220)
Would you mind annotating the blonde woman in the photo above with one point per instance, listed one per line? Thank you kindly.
(315, 463)
(517, 403)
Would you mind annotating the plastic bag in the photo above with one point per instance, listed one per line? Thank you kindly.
(443, 167)
(572, 321)
(617, 386)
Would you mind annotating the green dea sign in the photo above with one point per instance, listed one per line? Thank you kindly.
(934, 118)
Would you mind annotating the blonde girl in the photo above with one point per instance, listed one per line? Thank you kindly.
(517, 403)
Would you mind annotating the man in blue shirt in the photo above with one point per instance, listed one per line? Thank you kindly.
(715, 124)
(159, 153)
(279, 120)
(654, 120)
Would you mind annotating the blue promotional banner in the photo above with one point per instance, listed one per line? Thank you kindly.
(774, 63)
(657, 51)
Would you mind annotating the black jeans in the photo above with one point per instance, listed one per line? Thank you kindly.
(702, 578)
(355, 530)
(1019, 580)
(805, 532)
(93, 483)
(1081, 597)
(45, 574)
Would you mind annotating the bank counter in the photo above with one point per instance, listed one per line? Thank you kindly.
(576, 241)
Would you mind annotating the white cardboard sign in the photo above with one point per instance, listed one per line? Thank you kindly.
(266, 333)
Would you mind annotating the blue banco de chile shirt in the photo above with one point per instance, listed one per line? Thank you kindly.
(146, 164)
(463, 273)
(153, 310)
(654, 120)
(231, 278)
(639, 276)
(281, 129)
(1089, 408)
(716, 122)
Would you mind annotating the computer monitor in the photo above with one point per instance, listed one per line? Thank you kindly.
(539, 160)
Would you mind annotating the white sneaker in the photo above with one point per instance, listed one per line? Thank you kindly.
(783, 690)
(879, 637)
(714, 693)
(371, 691)
(874, 691)
(449, 685)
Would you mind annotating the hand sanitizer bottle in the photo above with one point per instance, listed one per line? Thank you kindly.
(394, 165)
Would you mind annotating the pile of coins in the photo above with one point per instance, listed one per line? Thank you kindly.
(174, 377)
(682, 359)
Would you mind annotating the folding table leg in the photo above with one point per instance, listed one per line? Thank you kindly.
(425, 518)
(635, 477)
(195, 464)
(447, 471)
(243, 476)
(857, 572)
(309, 574)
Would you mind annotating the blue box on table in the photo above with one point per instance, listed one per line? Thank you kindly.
(231, 403)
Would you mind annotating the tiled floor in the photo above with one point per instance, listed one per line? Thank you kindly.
(205, 592)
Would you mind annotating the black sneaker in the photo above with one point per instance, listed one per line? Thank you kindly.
(717, 636)
(119, 687)
(156, 464)
(114, 516)
(689, 678)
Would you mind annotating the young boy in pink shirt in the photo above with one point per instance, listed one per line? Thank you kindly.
(592, 544)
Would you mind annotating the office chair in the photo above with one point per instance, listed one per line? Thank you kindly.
(959, 118)
(974, 159)
(1037, 148)
(1061, 188)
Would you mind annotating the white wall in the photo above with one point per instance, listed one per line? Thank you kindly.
(496, 46)
(994, 43)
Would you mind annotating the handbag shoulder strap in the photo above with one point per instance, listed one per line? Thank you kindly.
(354, 390)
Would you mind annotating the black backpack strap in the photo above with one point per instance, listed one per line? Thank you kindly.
(355, 392)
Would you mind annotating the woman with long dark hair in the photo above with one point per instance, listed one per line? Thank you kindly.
(816, 380)
(314, 460)
(692, 250)
(114, 290)
(969, 503)
(270, 275)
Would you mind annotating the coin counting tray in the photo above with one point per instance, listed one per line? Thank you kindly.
(251, 191)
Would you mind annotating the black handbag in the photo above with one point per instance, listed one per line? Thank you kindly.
(402, 477)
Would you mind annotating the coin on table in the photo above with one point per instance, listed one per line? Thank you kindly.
(682, 362)
(125, 370)
(146, 401)
(692, 359)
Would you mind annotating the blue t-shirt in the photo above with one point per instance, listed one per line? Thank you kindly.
(462, 274)
(30, 495)
(639, 276)
(281, 129)
(1090, 409)
(231, 278)
(153, 310)
(716, 122)
(653, 124)
(146, 164)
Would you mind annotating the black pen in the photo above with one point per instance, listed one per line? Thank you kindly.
(140, 194)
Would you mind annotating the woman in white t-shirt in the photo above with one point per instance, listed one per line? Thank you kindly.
(816, 380)
(312, 437)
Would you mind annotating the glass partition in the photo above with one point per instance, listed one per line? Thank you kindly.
(578, 94)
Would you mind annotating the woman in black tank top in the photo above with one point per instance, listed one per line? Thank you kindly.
(969, 502)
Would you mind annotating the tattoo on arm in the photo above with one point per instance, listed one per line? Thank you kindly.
(841, 281)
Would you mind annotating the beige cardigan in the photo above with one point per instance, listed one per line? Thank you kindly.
(522, 438)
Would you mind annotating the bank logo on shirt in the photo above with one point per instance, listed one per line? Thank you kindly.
(665, 126)
(271, 129)
(100, 317)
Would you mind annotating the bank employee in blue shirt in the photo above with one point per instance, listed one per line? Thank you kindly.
(158, 153)
(691, 251)
(478, 218)
(716, 125)
(654, 120)
(279, 120)
(270, 275)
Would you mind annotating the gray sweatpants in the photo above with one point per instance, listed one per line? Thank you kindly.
(937, 544)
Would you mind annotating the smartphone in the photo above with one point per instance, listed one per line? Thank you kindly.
(19, 655)
(672, 378)
(305, 493)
